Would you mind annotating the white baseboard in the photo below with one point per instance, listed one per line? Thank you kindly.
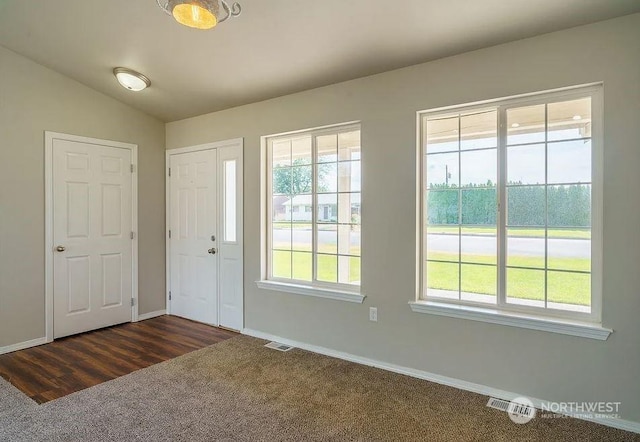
(151, 315)
(23, 345)
(621, 424)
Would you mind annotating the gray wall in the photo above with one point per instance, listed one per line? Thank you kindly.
(34, 99)
(540, 364)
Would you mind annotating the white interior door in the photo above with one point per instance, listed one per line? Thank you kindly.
(92, 225)
(193, 248)
(230, 245)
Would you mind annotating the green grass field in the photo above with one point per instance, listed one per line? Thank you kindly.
(298, 265)
(569, 288)
(562, 287)
(296, 225)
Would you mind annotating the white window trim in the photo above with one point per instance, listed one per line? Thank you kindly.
(308, 290)
(327, 290)
(573, 323)
(513, 319)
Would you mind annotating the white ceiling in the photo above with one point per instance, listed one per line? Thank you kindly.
(275, 47)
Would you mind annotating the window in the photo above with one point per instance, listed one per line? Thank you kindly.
(230, 197)
(313, 199)
(510, 205)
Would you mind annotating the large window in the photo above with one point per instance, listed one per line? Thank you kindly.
(508, 212)
(314, 208)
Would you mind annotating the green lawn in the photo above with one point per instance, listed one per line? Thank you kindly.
(515, 231)
(331, 249)
(562, 287)
(287, 225)
(579, 264)
(569, 288)
(298, 265)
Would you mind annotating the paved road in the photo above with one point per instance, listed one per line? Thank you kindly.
(484, 245)
(473, 244)
(304, 236)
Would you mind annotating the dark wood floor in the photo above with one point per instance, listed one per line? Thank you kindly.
(71, 364)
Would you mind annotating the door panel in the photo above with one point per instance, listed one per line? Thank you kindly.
(111, 277)
(92, 222)
(111, 210)
(78, 210)
(193, 277)
(79, 283)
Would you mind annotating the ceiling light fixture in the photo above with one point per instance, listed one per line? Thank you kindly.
(515, 125)
(577, 117)
(132, 80)
(199, 14)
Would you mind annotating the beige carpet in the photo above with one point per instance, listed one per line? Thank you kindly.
(239, 390)
(12, 399)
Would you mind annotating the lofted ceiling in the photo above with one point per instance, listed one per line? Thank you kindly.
(276, 47)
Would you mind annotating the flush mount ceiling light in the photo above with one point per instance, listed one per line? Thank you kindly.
(132, 80)
(200, 14)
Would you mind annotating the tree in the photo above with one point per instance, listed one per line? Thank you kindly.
(560, 206)
(299, 178)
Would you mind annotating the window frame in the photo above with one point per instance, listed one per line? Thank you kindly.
(324, 289)
(501, 105)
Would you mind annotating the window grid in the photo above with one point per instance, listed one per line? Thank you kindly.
(549, 268)
(546, 204)
(461, 189)
(459, 208)
(330, 255)
(546, 268)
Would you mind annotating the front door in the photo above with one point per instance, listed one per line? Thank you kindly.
(193, 245)
(92, 228)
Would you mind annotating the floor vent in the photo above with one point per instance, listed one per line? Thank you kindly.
(278, 346)
(498, 404)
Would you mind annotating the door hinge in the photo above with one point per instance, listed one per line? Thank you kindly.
(169, 234)
(169, 171)
(132, 168)
(133, 302)
(133, 235)
(169, 295)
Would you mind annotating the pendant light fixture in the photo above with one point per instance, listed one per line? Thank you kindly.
(200, 14)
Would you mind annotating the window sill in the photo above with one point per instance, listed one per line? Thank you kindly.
(307, 290)
(553, 325)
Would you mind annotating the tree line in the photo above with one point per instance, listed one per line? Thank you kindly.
(568, 206)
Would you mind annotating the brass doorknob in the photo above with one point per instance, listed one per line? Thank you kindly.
(212, 250)
(61, 248)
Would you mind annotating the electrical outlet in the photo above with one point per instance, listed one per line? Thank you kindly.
(373, 314)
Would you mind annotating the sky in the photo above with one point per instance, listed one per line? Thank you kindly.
(568, 162)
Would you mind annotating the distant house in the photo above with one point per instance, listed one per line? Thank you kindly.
(300, 208)
(278, 208)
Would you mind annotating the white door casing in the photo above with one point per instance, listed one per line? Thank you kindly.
(213, 282)
(193, 221)
(91, 216)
